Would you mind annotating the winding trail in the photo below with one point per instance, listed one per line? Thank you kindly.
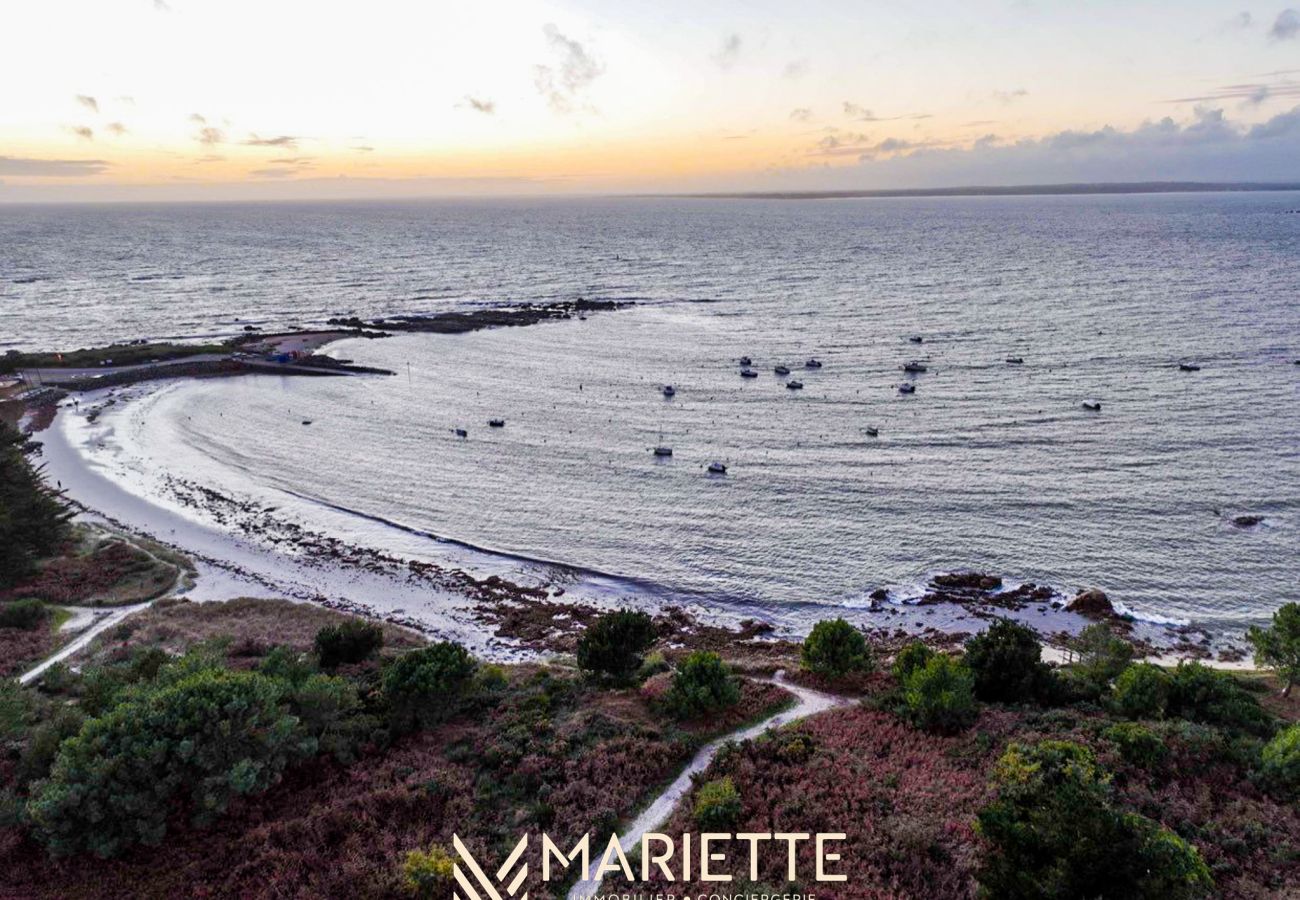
(807, 703)
(107, 620)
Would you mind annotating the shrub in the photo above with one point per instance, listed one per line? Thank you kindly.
(1142, 691)
(702, 684)
(1137, 744)
(912, 657)
(34, 518)
(940, 695)
(835, 648)
(717, 805)
(284, 662)
(43, 744)
(1101, 655)
(428, 875)
(424, 686)
(1201, 694)
(350, 641)
(1006, 661)
(1279, 767)
(613, 645)
(1053, 832)
(654, 663)
(1278, 646)
(27, 614)
(205, 739)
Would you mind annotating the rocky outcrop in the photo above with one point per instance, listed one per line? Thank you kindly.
(1092, 603)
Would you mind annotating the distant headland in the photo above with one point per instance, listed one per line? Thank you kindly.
(1014, 190)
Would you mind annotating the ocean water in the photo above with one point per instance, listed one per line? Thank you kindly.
(987, 465)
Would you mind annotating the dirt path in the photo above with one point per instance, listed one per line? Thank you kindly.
(807, 702)
(107, 620)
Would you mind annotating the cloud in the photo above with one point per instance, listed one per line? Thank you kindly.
(1284, 125)
(862, 114)
(364, 149)
(1286, 26)
(195, 117)
(1249, 93)
(89, 102)
(162, 6)
(802, 114)
(82, 131)
(729, 52)
(1006, 98)
(574, 71)
(51, 168)
(487, 107)
(796, 68)
(286, 141)
(210, 136)
(117, 129)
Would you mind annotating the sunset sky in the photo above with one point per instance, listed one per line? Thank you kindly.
(210, 99)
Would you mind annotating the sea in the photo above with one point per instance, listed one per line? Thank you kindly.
(832, 490)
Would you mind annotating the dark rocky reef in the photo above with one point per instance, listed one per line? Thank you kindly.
(460, 322)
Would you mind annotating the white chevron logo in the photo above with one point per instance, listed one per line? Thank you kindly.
(486, 889)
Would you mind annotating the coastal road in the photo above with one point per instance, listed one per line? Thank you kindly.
(58, 376)
(807, 703)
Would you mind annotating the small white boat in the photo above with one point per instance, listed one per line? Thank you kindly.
(907, 389)
(669, 390)
(717, 468)
(748, 373)
(782, 370)
(663, 451)
(813, 363)
(914, 367)
(794, 384)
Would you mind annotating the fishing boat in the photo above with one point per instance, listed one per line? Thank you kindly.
(1092, 407)
(461, 432)
(746, 361)
(907, 389)
(1015, 360)
(306, 421)
(669, 390)
(496, 423)
(1188, 367)
(916, 339)
(813, 363)
(794, 384)
(782, 370)
(663, 451)
(872, 431)
(914, 367)
(717, 468)
(748, 373)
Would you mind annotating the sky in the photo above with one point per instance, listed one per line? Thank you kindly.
(276, 99)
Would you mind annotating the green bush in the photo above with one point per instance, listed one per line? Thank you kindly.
(654, 663)
(940, 696)
(428, 874)
(104, 686)
(1201, 694)
(1142, 691)
(702, 684)
(350, 641)
(1006, 661)
(1278, 646)
(912, 657)
(43, 743)
(33, 518)
(835, 648)
(1101, 655)
(717, 805)
(1053, 831)
(1137, 744)
(424, 686)
(613, 645)
(1279, 767)
(28, 614)
(204, 739)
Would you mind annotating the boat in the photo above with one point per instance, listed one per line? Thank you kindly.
(1092, 407)
(717, 468)
(916, 339)
(813, 363)
(913, 367)
(746, 361)
(748, 373)
(669, 390)
(1015, 360)
(872, 431)
(496, 423)
(794, 384)
(907, 389)
(1188, 367)
(782, 370)
(663, 451)
(461, 432)
(306, 421)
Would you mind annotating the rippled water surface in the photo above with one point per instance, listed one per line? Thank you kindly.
(987, 464)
